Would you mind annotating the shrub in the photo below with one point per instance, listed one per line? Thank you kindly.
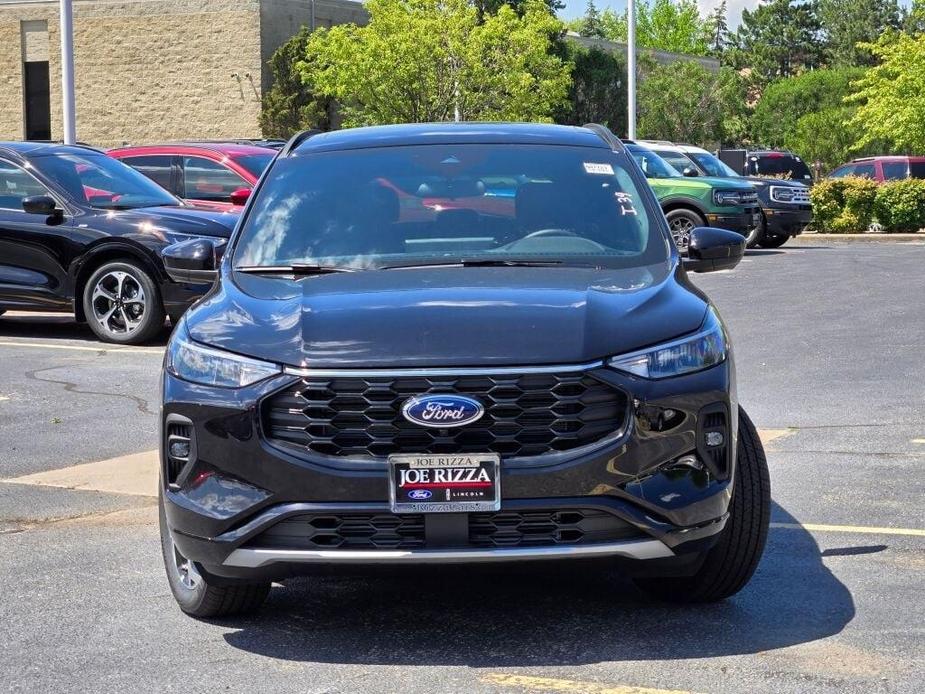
(844, 205)
(900, 205)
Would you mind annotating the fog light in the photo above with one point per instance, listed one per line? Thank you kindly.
(714, 438)
(179, 449)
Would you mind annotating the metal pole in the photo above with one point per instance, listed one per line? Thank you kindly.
(631, 69)
(67, 72)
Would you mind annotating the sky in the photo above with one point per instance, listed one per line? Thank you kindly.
(575, 8)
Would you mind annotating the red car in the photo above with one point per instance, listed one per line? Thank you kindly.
(893, 168)
(217, 176)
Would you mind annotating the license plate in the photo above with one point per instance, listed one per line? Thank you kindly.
(445, 483)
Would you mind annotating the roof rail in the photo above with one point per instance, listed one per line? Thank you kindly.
(297, 140)
(606, 135)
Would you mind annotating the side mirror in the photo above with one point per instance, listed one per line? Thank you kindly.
(714, 249)
(41, 204)
(240, 196)
(690, 172)
(195, 261)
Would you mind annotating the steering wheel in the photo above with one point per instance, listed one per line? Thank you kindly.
(549, 232)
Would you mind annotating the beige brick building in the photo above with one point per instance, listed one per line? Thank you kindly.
(149, 70)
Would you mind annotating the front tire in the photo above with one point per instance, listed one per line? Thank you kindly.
(193, 590)
(775, 241)
(681, 223)
(754, 237)
(122, 304)
(730, 563)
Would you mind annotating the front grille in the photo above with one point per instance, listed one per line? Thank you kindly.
(344, 531)
(525, 414)
(538, 528)
(370, 531)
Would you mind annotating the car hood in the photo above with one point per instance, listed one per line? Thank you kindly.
(184, 220)
(726, 183)
(448, 316)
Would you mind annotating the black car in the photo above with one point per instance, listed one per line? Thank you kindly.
(81, 232)
(454, 344)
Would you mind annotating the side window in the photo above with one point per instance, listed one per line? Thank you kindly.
(866, 170)
(208, 180)
(894, 170)
(155, 167)
(16, 184)
(842, 171)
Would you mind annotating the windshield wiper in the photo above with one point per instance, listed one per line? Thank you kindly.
(502, 262)
(295, 269)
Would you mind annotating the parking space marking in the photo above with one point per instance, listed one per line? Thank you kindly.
(554, 684)
(81, 348)
(857, 529)
(134, 474)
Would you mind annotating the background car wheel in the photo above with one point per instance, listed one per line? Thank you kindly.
(121, 304)
(192, 590)
(773, 241)
(730, 563)
(682, 223)
(753, 238)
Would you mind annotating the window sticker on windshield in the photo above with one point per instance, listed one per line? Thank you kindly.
(626, 203)
(604, 169)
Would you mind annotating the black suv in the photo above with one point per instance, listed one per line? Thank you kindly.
(453, 344)
(81, 232)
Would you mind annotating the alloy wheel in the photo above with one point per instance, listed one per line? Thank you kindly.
(118, 302)
(681, 232)
(185, 570)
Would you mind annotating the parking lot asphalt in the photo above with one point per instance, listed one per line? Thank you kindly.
(828, 341)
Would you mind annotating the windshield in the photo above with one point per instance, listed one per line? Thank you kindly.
(712, 165)
(780, 165)
(102, 182)
(254, 164)
(652, 165)
(448, 204)
(677, 160)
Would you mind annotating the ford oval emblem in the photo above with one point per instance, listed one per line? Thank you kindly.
(442, 411)
(420, 494)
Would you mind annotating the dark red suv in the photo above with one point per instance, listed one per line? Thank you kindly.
(883, 168)
(214, 175)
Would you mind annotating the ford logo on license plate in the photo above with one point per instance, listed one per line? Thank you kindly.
(442, 411)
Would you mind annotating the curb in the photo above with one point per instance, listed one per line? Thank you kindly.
(812, 237)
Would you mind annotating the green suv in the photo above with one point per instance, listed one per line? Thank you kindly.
(690, 202)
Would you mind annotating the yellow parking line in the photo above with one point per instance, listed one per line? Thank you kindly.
(857, 529)
(552, 684)
(80, 348)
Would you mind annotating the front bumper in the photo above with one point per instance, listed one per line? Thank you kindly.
(789, 221)
(240, 486)
(742, 222)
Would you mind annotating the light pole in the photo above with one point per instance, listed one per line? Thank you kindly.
(67, 72)
(631, 69)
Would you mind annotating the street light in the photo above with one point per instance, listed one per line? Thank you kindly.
(631, 69)
(66, 12)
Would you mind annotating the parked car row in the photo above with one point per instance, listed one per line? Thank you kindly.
(82, 232)
(696, 188)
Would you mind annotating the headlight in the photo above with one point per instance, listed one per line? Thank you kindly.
(782, 194)
(214, 367)
(694, 353)
(727, 197)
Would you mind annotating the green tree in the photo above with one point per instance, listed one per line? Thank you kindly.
(433, 60)
(825, 136)
(590, 24)
(289, 105)
(598, 90)
(686, 102)
(891, 96)
(913, 18)
(717, 29)
(778, 39)
(666, 25)
(848, 23)
(785, 101)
